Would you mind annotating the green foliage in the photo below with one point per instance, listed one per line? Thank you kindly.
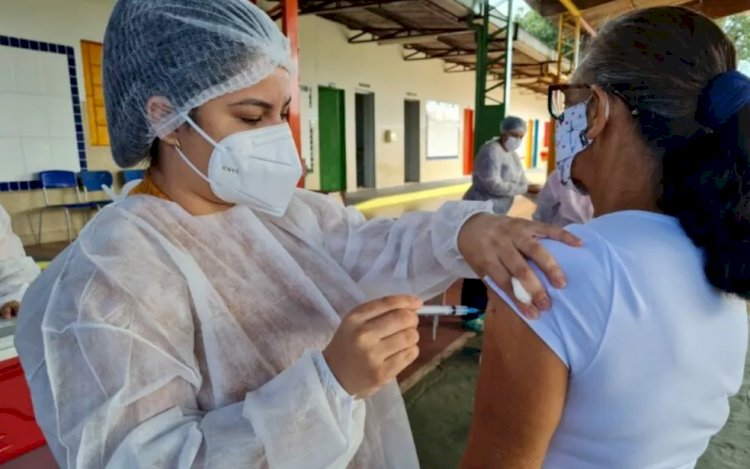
(543, 30)
(737, 27)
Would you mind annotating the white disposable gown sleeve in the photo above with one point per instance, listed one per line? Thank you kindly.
(17, 270)
(120, 389)
(414, 254)
(498, 174)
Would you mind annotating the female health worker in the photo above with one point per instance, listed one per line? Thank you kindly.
(217, 316)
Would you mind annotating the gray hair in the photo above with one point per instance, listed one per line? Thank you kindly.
(661, 61)
(513, 124)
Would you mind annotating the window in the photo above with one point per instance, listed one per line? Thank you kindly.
(92, 71)
(443, 130)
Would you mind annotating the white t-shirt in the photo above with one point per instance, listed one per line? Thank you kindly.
(654, 351)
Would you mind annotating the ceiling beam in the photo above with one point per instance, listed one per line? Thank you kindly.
(402, 36)
(390, 16)
(443, 54)
(573, 9)
(337, 6)
(415, 39)
(720, 9)
(443, 13)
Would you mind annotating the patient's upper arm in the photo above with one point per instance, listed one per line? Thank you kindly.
(526, 364)
(519, 398)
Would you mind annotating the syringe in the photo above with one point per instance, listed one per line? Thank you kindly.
(447, 311)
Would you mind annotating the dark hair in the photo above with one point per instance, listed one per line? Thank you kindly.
(153, 153)
(661, 60)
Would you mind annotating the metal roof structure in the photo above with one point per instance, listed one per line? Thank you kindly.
(446, 30)
(596, 12)
(439, 29)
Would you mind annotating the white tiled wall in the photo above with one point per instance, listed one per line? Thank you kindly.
(37, 127)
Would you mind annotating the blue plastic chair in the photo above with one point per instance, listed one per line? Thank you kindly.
(93, 181)
(61, 180)
(132, 175)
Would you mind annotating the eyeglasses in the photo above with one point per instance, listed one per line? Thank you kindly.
(560, 97)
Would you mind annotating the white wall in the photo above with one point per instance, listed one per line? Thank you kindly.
(327, 59)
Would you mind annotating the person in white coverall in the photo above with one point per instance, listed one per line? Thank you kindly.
(216, 316)
(17, 270)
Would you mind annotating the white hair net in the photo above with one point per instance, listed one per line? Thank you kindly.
(513, 124)
(187, 51)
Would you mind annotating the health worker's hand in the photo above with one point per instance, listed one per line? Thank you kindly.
(501, 247)
(374, 343)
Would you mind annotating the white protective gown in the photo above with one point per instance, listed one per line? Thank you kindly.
(160, 339)
(498, 177)
(17, 270)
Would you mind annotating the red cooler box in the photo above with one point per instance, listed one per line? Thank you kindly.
(19, 433)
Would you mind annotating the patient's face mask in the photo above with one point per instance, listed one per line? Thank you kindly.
(571, 139)
(256, 168)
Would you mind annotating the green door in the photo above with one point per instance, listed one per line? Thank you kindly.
(332, 140)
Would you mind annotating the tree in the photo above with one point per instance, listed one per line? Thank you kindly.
(737, 28)
(543, 30)
(540, 28)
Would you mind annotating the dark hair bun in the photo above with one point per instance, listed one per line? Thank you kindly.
(707, 187)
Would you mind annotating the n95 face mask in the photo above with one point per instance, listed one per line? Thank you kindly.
(256, 168)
